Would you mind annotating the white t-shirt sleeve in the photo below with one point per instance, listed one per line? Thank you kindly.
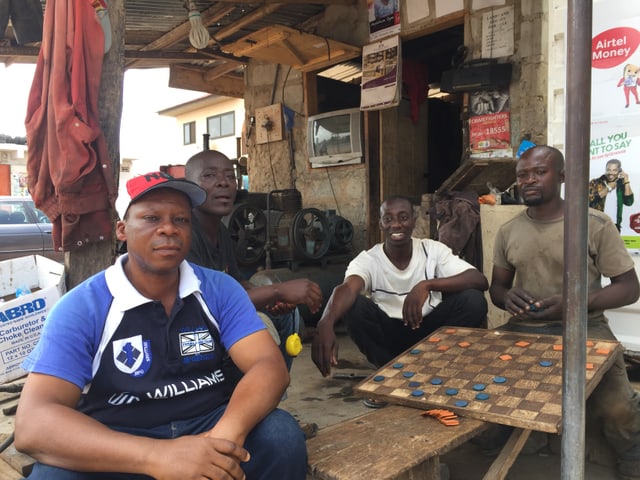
(361, 267)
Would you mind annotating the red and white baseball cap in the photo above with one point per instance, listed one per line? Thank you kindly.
(143, 184)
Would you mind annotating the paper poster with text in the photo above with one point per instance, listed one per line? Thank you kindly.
(384, 18)
(489, 118)
(381, 74)
(614, 165)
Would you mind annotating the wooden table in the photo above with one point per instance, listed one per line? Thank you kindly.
(500, 377)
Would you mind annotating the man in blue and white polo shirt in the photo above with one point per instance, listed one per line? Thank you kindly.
(127, 381)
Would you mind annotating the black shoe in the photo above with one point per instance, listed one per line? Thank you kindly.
(373, 403)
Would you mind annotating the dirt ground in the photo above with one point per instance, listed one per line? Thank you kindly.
(312, 398)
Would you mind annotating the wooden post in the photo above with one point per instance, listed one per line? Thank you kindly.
(95, 257)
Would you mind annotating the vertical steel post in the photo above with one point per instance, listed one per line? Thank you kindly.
(577, 129)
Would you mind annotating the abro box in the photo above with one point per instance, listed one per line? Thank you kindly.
(22, 318)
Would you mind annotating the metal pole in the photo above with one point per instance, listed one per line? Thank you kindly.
(577, 129)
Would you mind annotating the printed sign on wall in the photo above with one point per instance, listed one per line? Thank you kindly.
(615, 116)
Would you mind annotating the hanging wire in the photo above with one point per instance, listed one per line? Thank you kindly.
(273, 173)
(199, 35)
(335, 199)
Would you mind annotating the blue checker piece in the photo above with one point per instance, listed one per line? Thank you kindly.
(499, 379)
(482, 396)
(461, 403)
(546, 363)
(398, 365)
(378, 378)
(417, 393)
(436, 381)
(408, 374)
(478, 387)
(414, 384)
(451, 391)
(415, 351)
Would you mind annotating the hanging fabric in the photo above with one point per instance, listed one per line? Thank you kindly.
(70, 174)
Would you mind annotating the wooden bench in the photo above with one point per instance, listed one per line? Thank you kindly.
(392, 443)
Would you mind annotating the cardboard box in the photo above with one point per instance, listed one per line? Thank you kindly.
(22, 318)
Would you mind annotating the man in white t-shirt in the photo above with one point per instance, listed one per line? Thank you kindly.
(398, 292)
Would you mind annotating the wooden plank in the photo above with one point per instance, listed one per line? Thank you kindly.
(192, 78)
(473, 175)
(221, 70)
(244, 21)
(7, 472)
(20, 462)
(385, 444)
(178, 34)
(311, 52)
(252, 44)
(501, 465)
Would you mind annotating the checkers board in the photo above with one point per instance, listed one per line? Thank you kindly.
(501, 377)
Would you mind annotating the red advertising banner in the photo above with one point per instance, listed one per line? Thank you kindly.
(490, 135)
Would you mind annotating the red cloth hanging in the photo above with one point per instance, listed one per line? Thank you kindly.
(415, 77)
(70, 174)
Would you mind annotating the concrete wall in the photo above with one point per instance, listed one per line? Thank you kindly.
(284, 164)
(402, 147)
(528, 90)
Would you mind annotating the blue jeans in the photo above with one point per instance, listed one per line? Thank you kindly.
(277, 447)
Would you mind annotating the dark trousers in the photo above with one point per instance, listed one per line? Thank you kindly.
(614, 404)
(382, 338)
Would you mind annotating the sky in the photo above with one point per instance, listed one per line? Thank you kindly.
(144, 134)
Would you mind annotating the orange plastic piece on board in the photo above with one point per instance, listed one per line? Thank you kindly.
(603, 351)
(590, 343)
(443, 348)
(505, 357)
(446, 417)
(464, 344)
(522, 343)
(558, 347)
(450, 331)
(434, 339)
(589, 366)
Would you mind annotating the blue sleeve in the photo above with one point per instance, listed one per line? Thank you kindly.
(230, 305)
(71, 334)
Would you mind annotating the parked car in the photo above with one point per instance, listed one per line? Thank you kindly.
(24, 230)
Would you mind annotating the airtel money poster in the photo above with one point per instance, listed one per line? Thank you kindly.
(614, 185)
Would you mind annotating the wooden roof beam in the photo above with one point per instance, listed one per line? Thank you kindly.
(216, 72)
(294, 51)
(192, 78)
(178, 34)
(244, 21)
(209, 16)
(251, 45)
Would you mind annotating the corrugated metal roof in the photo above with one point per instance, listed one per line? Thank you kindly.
(148, 21)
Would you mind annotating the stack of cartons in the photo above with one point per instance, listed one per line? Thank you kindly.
(22, 317)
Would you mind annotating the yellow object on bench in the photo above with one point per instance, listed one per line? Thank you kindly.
(393, 443)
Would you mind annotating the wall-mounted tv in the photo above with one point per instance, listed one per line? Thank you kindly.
(335, 138)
